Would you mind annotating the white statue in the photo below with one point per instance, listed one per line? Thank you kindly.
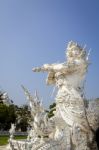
(12, 130)
(75, 120)
(68, 77)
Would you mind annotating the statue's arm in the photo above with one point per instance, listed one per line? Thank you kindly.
(51, 68)
(43, 68)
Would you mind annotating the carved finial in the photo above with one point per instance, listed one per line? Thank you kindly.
(27, 93)
(84, 47)
(87, 58)
(36, 95)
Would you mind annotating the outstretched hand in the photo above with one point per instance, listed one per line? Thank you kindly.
(37, 69)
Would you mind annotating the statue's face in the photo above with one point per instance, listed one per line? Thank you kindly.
(76, 52)
(73, 53)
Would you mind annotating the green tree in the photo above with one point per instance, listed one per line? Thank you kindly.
(23, 117)
(7, 116)
(52, 108)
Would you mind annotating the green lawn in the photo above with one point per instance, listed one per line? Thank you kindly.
(4, 139)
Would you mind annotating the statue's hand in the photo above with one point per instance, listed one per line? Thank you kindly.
(45, 67)
(37, 69)
(40, 69)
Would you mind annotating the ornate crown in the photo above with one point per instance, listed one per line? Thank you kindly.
(75, 51)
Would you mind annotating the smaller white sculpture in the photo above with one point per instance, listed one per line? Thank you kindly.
(42, 126)
(5, 98)
(12, 130)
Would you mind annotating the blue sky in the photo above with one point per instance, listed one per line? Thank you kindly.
(35, 32)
